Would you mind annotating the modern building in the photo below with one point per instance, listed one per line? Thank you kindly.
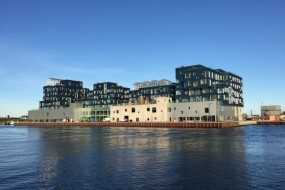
(149, 90)
(59, 93)
(105, 94)
(165, 110)
(199, 83)
(200, 93)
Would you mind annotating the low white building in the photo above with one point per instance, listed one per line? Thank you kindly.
(72, 113)
(166, 110)
(75, 112)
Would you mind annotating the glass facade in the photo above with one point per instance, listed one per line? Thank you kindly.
(148, 91)
(193, 83)
(200, 83)
(107, 93)
(60, 93)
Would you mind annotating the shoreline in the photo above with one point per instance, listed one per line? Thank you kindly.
(137, 124)
(228, 124)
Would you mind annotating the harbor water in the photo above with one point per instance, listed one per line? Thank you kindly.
(250, 157)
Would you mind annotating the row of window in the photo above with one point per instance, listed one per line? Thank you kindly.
(105, 91)
(133, 110)
(61, 89)
(61, 98)
(153, 109)
(103, 102)
(108, 96)
(152, 91)
(206, 74)
(212, 75)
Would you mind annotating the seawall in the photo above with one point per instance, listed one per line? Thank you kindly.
(136, 124)
(266, 122)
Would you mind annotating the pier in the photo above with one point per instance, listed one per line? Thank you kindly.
(137, 124)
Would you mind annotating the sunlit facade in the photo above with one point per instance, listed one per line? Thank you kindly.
(59, 93)
(199, 83)
(164, 110)
(105, 94)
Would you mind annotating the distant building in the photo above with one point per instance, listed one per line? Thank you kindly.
(149, 90)
(58, 93)
(199, 83)
(282, 116)
(271, 112)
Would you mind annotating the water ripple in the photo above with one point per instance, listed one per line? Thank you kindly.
(142, 158)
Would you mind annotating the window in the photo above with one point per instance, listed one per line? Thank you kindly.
(133, 110)
(206, 110)
(117, 111)
(126, 110)
(189, 107)
(147, 109)
(169, 109)
(181, 112)
(154, 110)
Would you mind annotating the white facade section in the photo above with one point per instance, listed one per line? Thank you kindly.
(143, 112)
(166, 110)
(192, 111)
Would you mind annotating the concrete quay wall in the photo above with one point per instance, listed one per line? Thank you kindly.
(136, 124)
(266, 122)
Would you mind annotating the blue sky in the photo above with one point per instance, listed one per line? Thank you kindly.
(128, 41)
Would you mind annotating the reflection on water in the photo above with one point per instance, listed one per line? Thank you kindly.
(137, 158)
